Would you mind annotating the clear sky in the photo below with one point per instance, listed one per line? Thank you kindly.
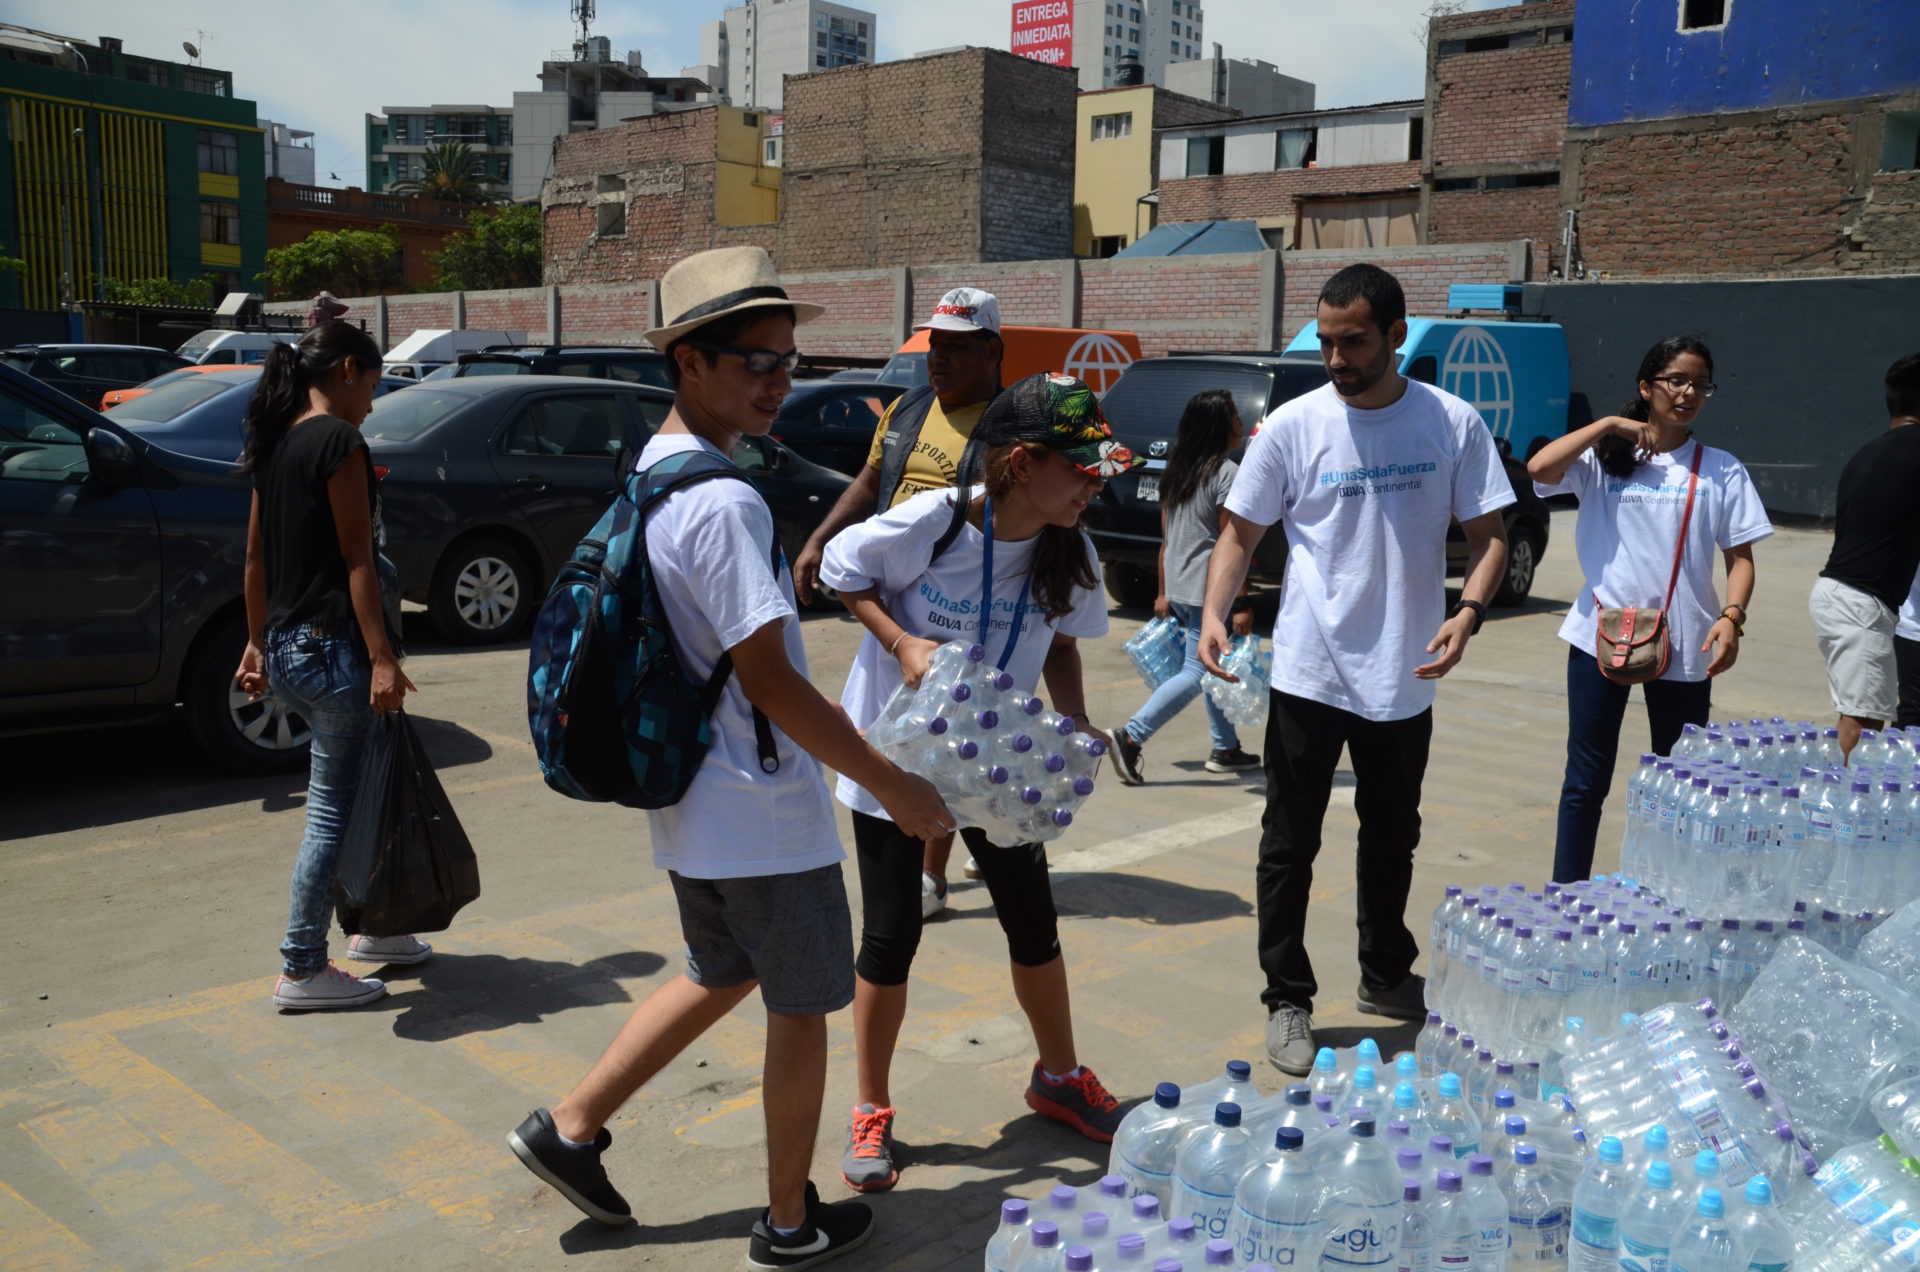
(323, 66)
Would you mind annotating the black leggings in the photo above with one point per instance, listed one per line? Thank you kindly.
(1016, 879)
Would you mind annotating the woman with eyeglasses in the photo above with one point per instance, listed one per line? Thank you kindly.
(1641, 476)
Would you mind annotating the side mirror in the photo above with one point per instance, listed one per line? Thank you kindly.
(110, 458)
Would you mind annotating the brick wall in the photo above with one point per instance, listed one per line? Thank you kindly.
(1493, 216)
(1177, 110)
(1755, 194)
(1887, 239)
(1180, 302)
(1026, 160)
(659, 169)
(1252, 195)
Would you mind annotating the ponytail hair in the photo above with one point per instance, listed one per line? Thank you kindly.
(1616, 454)
(1060, 562)
(289, 371)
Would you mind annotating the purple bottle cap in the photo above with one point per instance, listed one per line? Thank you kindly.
(961, 692)
(997, 775)
(1021, 743)
(1033, 706)
(1114, 1186)
(1045, 1234)
(1061, 818)
(1054, 764)
(1062, 1197)
(967, 749)
(1065, 728)
(1079, 1259)
(937, 725)
(1219, 1253)
(1322, 1101)
(976, 653)
(1180, 1230)
(1001, 680)
(989, 720)
(1408, 1159)
(1031, 795)
(1169, 1264)
(1013, 1211)
(1083, 786)
(1096, 748)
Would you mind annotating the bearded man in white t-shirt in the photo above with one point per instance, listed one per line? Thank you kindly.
(1364, 474)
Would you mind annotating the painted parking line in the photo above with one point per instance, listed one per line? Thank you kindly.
(30, 1238)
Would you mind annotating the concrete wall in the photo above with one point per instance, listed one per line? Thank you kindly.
(1632, 62)
(1799, 364)
(1273, 198)
(1251, 301)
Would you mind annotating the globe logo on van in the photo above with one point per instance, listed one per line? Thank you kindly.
(1476, 369)
(1098, 360)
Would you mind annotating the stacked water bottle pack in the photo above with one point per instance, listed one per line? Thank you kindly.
(1244, 702)
(1001, 760)
(1745, 820)
(1157, 650)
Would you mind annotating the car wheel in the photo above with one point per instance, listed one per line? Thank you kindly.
(482, 592)
(1130, 586)
(1523, 560)
(235, 731)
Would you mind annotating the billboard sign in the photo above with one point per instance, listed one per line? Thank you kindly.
(1043, 31)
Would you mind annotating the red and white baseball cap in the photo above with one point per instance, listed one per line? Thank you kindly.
(964, 309)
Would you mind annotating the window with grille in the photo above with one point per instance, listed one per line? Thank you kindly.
(1112, 127)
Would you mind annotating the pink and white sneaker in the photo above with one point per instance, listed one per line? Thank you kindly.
(326, 989)
(398, 950)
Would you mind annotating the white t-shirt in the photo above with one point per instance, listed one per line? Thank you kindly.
(941, 601)
(711, 546)
(1909, 625)
(1365, 497)
(1627, 532)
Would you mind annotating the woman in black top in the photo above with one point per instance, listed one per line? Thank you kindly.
(316, 626)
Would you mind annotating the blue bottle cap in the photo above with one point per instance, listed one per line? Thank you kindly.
(1503, 1099)
(1711, 1205)
(1298, 1094)
(1288, 1139)
(1759, 1191)
(1226, 1113)
(1404, 1096)
(1054, 764)
(976, 653)
(988, 720)
(961, 692)
(1449, 1086)
(937, 725)
(1061, 818)
(997, 775)
(1031, 795)
(1083, 786)
(1611, 1151)
(1239, 1070)
(1525, 1155)
(1020, 743)
(1706, 1165)
(1325, 1061)
(1516, 1126)
(967, 749)
(1167, 1095)
(1659, 1175)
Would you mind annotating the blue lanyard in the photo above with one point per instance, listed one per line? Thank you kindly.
(986, 590)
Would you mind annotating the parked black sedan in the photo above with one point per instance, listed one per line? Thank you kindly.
(487, 483)
(90, 371)
(205, 415)
(831, 422)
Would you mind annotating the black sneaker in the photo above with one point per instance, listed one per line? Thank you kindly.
(1126, 758)
(1405, 1001)
(1234, 761)
(830, 1230)
(575, 1172)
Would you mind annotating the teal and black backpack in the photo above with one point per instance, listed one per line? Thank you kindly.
(613, 712)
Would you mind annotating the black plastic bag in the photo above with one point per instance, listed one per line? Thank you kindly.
(405, 864)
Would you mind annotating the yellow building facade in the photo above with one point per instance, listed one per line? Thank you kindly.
(1113, 169)
(746, 188)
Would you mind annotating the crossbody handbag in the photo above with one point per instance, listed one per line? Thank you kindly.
(1634, 644)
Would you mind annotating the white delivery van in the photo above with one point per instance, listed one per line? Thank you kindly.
(215, 347)
(429, 349)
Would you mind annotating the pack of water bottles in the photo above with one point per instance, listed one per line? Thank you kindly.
(1158, 650)
(1001, 760)
(1244, 702)
(1744, 820)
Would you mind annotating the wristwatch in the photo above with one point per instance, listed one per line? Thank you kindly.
(1479, 613)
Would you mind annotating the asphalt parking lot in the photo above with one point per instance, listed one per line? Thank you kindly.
(156, 1112)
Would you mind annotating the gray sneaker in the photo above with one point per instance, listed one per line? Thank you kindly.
(326, 990)
(867, 1165)
(1290, 1039)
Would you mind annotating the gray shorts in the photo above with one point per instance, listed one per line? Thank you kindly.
(1855, 635)
(791, 932)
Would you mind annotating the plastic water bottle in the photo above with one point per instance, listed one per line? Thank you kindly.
(1044, 1253)
(1208, 1170)
(1492, 1243)
(1647, 1226)
(1363, 1201)
(1416, 1231)
(1180, 1241)
(1130, 1252)
(1146, 1143)
(1598, 1201)
(1704, 1174)
(1009, 1239)
(1570, 1042)
(1536, 1219)
(1325, 1078)
(1760, 1232)
(1279, 1208)
(1630, 846)
(1451, 1115)
(1364, 1093)
(1705, 1243)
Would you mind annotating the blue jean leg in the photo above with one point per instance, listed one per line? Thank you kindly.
(1172, 697)
(328, 681)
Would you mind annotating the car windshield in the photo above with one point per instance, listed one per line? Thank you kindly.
(173, 400)
(908, 370)
(404, 415)
(196, 347)
(448, 372)
(1144, 406)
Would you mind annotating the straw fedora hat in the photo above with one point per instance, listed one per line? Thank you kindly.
(708, 286)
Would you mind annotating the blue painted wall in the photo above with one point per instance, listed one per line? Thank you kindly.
(1632, 62)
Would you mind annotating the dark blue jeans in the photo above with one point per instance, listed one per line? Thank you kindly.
(329, 682)
(1596, 707)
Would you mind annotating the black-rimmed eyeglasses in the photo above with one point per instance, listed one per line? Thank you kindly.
(759, 361)
(1678, 384)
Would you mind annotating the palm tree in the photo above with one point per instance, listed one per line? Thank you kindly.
(452, 172)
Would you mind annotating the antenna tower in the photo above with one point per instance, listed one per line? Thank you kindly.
(582, 11)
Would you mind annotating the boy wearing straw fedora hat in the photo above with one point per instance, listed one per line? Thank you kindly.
(751, 849)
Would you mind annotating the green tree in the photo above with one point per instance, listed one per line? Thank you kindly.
(498, 249)
(196, 294)
(453, 174)
(344, 262)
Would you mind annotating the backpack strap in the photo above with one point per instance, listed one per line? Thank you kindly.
(653, 488)
(904, 421)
